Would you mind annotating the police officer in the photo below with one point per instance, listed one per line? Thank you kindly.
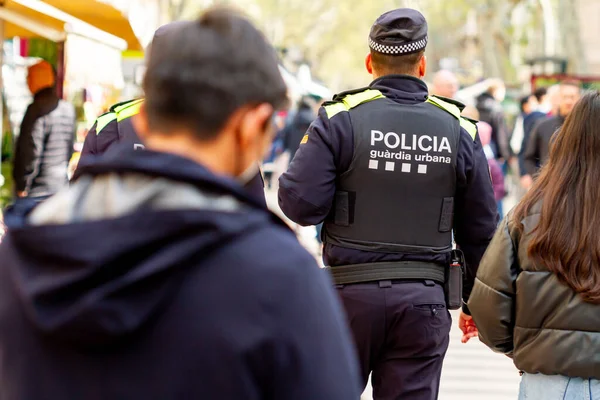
(392, 172)
(116, 127)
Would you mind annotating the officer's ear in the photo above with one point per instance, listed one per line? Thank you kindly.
(140, 122)
(422, 66)
(369, 63)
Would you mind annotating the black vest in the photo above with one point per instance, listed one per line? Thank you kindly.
(398, 194)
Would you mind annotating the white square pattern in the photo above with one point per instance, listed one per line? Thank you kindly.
(422, 169)
(405, 48)
(390, 166)
(406, 167)
(373, 164)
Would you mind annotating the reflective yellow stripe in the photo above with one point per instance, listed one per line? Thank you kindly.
(334, 109)
(357, 99)
(449, 107)
(128, 110)
(351, 101)
(104, 120)
(128, 104)
(467, 125)
(304, 139)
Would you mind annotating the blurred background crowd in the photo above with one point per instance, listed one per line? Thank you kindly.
(505, 60)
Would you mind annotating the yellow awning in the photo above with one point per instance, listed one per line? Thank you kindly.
(24, 22)
(53, 19)
(102, 16)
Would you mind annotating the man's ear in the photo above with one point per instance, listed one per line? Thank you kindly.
(252, 122)
(423, 66)
(140, 122)
(369, 63)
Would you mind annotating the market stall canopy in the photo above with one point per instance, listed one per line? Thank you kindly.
(100, 15)
(24, 22)
(85, 45)
(53, 19)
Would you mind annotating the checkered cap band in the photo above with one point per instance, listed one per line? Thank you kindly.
(402, 49)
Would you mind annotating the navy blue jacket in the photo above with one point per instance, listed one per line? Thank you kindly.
(177, 304)
(113, 133)
(306, 190)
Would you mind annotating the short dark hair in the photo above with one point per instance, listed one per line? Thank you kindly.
(387, 64)
(205, 70)
(524, 100)
(540, 93)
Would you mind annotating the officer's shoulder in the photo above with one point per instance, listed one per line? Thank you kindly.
(118, 107)
(455, 108)
(345, 101)
(105, 121)
(457, 103)
(126, 109)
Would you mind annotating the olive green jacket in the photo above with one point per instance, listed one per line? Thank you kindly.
(523, 310)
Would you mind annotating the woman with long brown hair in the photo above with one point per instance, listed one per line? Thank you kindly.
(537, 293)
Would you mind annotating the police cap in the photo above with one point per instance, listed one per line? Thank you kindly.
(399, 32)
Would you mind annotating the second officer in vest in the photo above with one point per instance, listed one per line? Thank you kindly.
(392, 172)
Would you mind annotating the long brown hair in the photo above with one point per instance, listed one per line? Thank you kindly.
(567, 239)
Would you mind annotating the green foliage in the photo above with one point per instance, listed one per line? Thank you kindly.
(6, 191)
(44, 49)
(332, 35)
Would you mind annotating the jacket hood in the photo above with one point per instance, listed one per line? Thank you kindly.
(95, 263)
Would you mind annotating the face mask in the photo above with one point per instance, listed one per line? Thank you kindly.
(250, 172)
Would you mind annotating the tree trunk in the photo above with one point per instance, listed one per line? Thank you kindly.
(496, 42)
(570, 33)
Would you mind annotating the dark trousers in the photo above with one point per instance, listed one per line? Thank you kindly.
(401, 331)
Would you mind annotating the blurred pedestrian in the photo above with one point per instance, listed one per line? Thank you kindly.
(155, 275)
(45, 143)
(393, 172)
(530, 116)
(550, 103)
(295, 131)
(275, 151)
(484, 131)
(115, 129)
(538, 145)
(445, 84)
(491, 111)
(485, 134)
(541, 96)
(537, 296)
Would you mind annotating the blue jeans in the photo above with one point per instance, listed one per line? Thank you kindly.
(319, 229)
(558, 387)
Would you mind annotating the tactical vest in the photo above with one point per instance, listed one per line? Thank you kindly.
(397, 196)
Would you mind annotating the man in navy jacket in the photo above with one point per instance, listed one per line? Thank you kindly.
(155, 275)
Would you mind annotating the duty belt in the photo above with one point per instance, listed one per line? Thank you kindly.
(401, 270)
